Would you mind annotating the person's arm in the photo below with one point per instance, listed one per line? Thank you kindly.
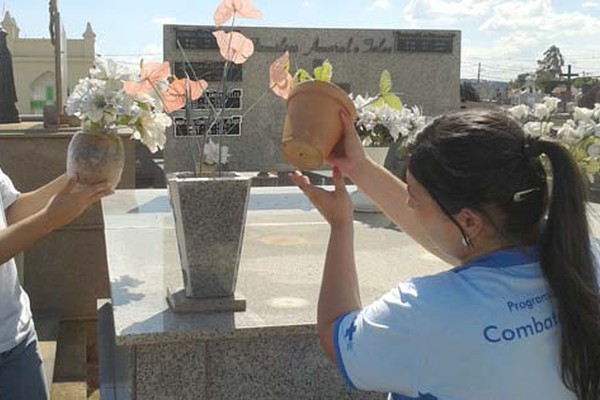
(27, 204)
(385, 189)
(340, 293)
(64, 207)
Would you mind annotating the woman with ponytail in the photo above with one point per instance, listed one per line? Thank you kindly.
(518, 314)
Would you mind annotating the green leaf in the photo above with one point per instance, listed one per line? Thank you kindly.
(392, 100)
(324, 72)
(385, 82)
(302, 75)
(377, 103)
(590, 177)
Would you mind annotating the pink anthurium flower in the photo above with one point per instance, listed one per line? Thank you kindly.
(150, 77)
(180, 90)
(234, 46)
(281, 79)
(228, 8)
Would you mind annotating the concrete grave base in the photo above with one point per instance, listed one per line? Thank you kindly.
(180, 303)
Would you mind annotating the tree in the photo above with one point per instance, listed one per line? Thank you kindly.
(591, 96)
(547, 81)
(468, 92)
(520, 81)
(552, 62)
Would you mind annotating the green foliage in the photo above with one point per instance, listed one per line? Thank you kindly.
(324, 73)
(468, 92)
(386, 96)
(552, 61)
(591, 96)
(379, 136)
(589, 166)
(546, 82)
(302, 75)
(385, 82)
(520, 81)
(585, 82)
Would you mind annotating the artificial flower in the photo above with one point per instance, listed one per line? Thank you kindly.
(234, 46)
(281, 79)
(228, 8)
(150, 77)
(180, 91)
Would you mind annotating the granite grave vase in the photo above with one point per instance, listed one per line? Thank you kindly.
(210, 218)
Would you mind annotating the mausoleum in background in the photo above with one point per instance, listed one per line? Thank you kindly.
(34, 65)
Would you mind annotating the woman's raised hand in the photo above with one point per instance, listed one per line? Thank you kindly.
(335, 206)
(349, 153)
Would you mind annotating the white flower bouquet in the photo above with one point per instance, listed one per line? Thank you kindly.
(383, 119)
(580, 133)
(103, 104)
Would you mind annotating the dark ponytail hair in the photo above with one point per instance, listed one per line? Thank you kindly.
(483, 161)
(569, 268)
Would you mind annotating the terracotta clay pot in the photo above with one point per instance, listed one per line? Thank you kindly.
(312, 125)
(96, 157)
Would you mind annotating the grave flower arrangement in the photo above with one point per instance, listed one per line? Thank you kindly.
(235, 48)
(209, 207)
(580, 133)
(384, 120)
(114, 97)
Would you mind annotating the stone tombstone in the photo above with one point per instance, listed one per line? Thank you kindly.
(424, 65)
(8, 94)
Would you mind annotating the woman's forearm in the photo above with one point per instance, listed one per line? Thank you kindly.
(340, 292)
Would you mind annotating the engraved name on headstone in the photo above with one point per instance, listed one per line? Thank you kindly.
(217, 100)
(228, 126)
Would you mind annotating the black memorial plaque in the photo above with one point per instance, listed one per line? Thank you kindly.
(211, 99)
(211, 71)
(424, 42)
(197, 39)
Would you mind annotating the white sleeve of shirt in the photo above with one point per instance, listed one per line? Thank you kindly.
(376, 348)
(7, 190)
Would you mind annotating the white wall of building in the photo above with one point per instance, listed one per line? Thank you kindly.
(33, 65)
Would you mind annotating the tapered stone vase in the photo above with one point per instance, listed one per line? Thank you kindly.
(96, 157)
(210, 219)
(312, 125)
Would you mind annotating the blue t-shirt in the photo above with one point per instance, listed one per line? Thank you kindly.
(485, 330)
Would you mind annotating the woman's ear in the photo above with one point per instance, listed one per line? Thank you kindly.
(470, 221)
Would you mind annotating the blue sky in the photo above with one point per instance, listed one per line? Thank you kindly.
(505, 36)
